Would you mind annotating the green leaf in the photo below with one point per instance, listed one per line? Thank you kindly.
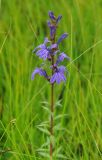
(60, 116)
(61, 156)
(46, 144)
(44, 130)
(44, 154)
(43, 124)
(45, 103)
(46, 109)
(58, 104)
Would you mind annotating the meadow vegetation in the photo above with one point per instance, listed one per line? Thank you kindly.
(24, 103)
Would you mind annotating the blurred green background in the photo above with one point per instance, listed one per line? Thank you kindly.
(78, 133)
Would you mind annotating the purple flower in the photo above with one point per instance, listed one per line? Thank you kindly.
(39, 71)
(61, 57)
(63, 36)
(42, 51)
(58, 76)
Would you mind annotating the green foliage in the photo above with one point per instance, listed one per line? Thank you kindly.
(24, 118)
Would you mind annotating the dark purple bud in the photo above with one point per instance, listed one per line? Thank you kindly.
(52, 32)
(59, 18)
(52, 29)
(51, 15)
(63, 36)
(49, 23)
(39, 71)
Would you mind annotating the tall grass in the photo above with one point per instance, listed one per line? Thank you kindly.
(22, 27)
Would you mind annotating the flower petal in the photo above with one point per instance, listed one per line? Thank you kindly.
(58, 78)
(41, 46)
(39, 71)
(63, 77)
(54, 46)
(43, 53)
(40, 52)
(46, 41)
(53, 78)
(63, 36)
(62, 69)
(61, 57)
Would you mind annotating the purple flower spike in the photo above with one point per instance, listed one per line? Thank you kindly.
(63, 36)
(61, 57)
(51, 15)
(39, 71)
(49, 52)
(58, 76)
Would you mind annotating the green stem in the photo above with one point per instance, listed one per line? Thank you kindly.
(51, 118)
(52, 107)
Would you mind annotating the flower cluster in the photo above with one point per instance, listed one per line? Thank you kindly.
(49, 50)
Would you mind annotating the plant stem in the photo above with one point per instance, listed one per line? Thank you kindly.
(51, 122)
(51, 118)
(52, 106)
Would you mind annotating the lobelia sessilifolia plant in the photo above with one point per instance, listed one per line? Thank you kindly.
(49, 51)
